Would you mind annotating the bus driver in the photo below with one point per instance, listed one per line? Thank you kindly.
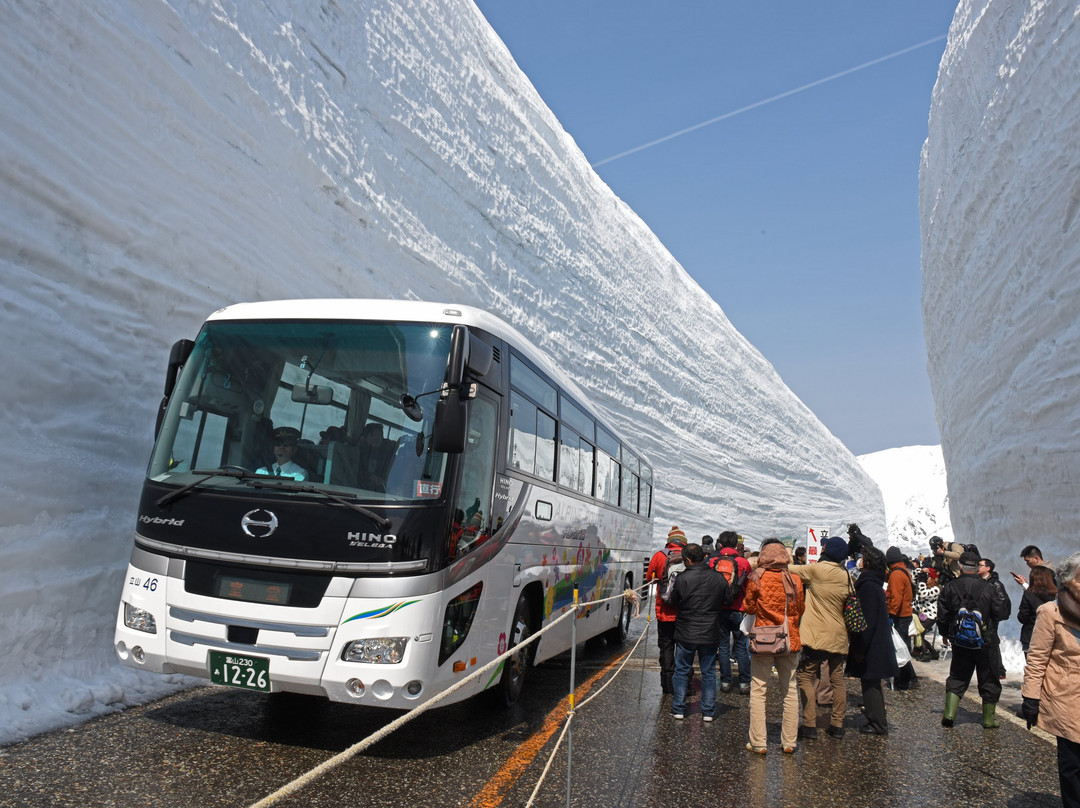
(285, 440)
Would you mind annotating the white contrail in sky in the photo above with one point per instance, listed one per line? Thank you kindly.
(762, 103)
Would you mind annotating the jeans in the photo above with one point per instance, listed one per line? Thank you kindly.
(684, 666)
(729, 623)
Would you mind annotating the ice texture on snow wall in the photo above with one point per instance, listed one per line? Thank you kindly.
(1000, 208)
(160, 160)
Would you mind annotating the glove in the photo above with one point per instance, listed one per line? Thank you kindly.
(1030, 710)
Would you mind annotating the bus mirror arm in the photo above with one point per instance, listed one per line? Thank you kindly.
(467, 354)
(412, 407)
(178, 356)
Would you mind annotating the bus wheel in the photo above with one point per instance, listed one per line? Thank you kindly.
(618, 635)
(516, 665)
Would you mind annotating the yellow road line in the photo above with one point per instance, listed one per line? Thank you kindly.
(491, 795)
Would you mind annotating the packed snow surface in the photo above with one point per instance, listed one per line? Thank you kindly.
(1000, 208)
(916, 494)
(160, 160)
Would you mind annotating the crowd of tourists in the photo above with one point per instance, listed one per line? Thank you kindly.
(767, 620)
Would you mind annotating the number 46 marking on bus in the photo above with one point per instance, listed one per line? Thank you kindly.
(150, 584)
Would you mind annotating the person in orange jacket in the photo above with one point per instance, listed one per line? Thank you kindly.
(775, 598)
(899, 595)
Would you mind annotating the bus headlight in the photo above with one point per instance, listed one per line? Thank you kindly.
(139, 619)
(376, 650)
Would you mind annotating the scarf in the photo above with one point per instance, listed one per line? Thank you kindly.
(1070, 609)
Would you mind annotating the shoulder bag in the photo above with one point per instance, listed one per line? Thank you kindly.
(774, 639)
(854, 618)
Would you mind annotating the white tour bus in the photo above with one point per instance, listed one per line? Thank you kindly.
(369, 499)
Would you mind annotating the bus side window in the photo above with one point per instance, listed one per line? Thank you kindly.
(472, 511)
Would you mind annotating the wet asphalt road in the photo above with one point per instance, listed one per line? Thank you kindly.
(220, 747)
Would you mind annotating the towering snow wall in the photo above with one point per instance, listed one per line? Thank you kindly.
(161, 159)
(1000, 208)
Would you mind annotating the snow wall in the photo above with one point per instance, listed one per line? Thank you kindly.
(1000, 208)
(162, 159)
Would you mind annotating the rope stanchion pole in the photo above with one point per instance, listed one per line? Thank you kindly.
(649, 610)
(578, 706)
(570, 717)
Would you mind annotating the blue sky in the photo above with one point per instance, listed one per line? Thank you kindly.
(799, 215)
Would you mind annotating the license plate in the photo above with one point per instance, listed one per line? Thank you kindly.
(238, 670)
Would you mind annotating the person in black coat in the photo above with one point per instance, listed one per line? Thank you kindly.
(1042, 589)
(699, 595)
(971, 592)
(872, 656)
(986, 572)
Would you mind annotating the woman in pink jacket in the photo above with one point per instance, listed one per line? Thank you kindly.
(1052, 676)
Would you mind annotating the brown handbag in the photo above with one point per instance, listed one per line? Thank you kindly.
(774, 639)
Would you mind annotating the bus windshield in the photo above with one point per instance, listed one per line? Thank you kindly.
(314, 401)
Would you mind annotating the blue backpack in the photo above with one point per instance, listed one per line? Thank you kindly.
(968, 631)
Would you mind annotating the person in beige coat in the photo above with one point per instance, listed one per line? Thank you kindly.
(824, 634)
(1052, 677)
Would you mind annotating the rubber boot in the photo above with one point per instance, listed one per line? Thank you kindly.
(952, 704)
(988, 716)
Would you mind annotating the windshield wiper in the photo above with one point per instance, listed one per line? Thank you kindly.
(230, 471)
(381, 522)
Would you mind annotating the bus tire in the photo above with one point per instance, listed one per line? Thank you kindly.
(517, 665)
(618, 635)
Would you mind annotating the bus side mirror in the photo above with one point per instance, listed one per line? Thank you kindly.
(452, 411)
(178, 356)
(451, 422)
(181, 351)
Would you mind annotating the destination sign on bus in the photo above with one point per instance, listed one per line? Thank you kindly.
(254, 591)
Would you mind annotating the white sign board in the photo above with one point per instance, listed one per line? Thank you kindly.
(814, 537)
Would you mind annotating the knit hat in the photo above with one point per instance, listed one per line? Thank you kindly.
(676, 536)
(834, 549)
(969, 561)
(893, 556)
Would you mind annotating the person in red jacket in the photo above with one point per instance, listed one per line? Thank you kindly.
(665, 614)
(732, 640)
